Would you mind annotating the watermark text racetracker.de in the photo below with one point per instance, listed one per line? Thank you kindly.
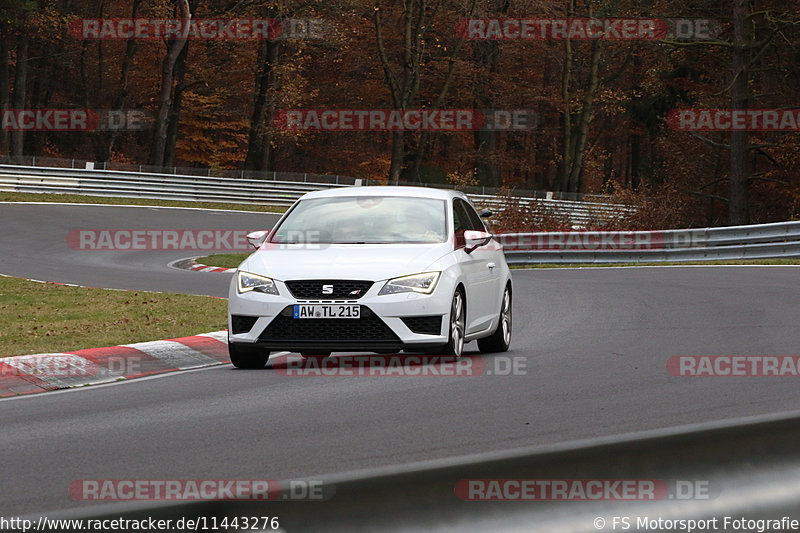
(734, 365)
(199, 29)
(541, 489)
(734, 119)
(583, 240)
(188, 490)
(235, 240)
(158, 239)
(204, 240)
(65, 365)
(400, 365)
(606, 29)
(433, 120)
(690, 525)
(602, 240)
(74, 120)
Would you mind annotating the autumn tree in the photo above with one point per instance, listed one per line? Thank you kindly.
(13, 19)
(751, 47)
(405, 67)
(174, 48)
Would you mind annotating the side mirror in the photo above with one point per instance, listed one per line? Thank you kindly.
(257, 238)
(485, 213)
(475, 239)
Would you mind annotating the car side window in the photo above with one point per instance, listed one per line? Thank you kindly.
(469, 219)
(460, 223)
(475, 221)
(460, 220)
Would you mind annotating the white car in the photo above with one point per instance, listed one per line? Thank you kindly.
(371, 269)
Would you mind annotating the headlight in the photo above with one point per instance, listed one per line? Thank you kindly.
(247, 282)
(424, 283)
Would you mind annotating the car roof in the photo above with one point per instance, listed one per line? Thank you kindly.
(382, 190)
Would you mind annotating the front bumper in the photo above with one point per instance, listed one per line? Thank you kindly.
(382, 327)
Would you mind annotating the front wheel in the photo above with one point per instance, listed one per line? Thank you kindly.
(250, 357)
(458, 319)
(500, 340)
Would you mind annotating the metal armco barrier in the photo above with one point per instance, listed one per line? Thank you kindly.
(763, 241)
(747, 468)
(282, 190)
(736, 242)
(154, 186)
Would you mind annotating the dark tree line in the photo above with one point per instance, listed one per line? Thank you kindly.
(599, 105)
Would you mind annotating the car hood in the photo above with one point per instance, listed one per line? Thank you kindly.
(344, 261)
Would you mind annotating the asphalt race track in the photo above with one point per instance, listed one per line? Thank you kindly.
(594, 344)
(33, 244)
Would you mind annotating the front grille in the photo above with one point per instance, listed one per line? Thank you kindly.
(368, 327)
(425, 325)
(242, 324)
(343, 289)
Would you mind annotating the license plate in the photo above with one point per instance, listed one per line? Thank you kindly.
(327, 311)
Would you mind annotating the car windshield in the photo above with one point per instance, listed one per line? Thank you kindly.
(364, 220)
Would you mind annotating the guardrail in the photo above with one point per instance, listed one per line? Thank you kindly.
(764, 241)
(735, 242)
(304, 177)
(158, 186)
(273, 188)
(718, 456)
(25, 162)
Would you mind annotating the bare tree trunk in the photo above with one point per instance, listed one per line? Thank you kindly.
(175, 108)
(738, 212)
(20, 87)
(635, 144)
(174, 48)
(543, 175)
(562, 180)
(417, 20)
(575, 135)
(423, 135)
(259, 150)
(104, 144)
(635, 139)
(422, 143)
(485, 142)
(404, 90)
(584, 118)
(486, 54)
(398, 157)
(5, 82)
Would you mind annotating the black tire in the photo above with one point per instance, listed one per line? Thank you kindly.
(500, 340)
(456, 325)
(248, 357)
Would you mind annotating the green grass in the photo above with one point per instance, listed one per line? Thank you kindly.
(665, 263)
(222, 260)
(45, 317)
(81, 199)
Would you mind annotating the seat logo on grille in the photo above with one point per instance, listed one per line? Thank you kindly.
(327, 289)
